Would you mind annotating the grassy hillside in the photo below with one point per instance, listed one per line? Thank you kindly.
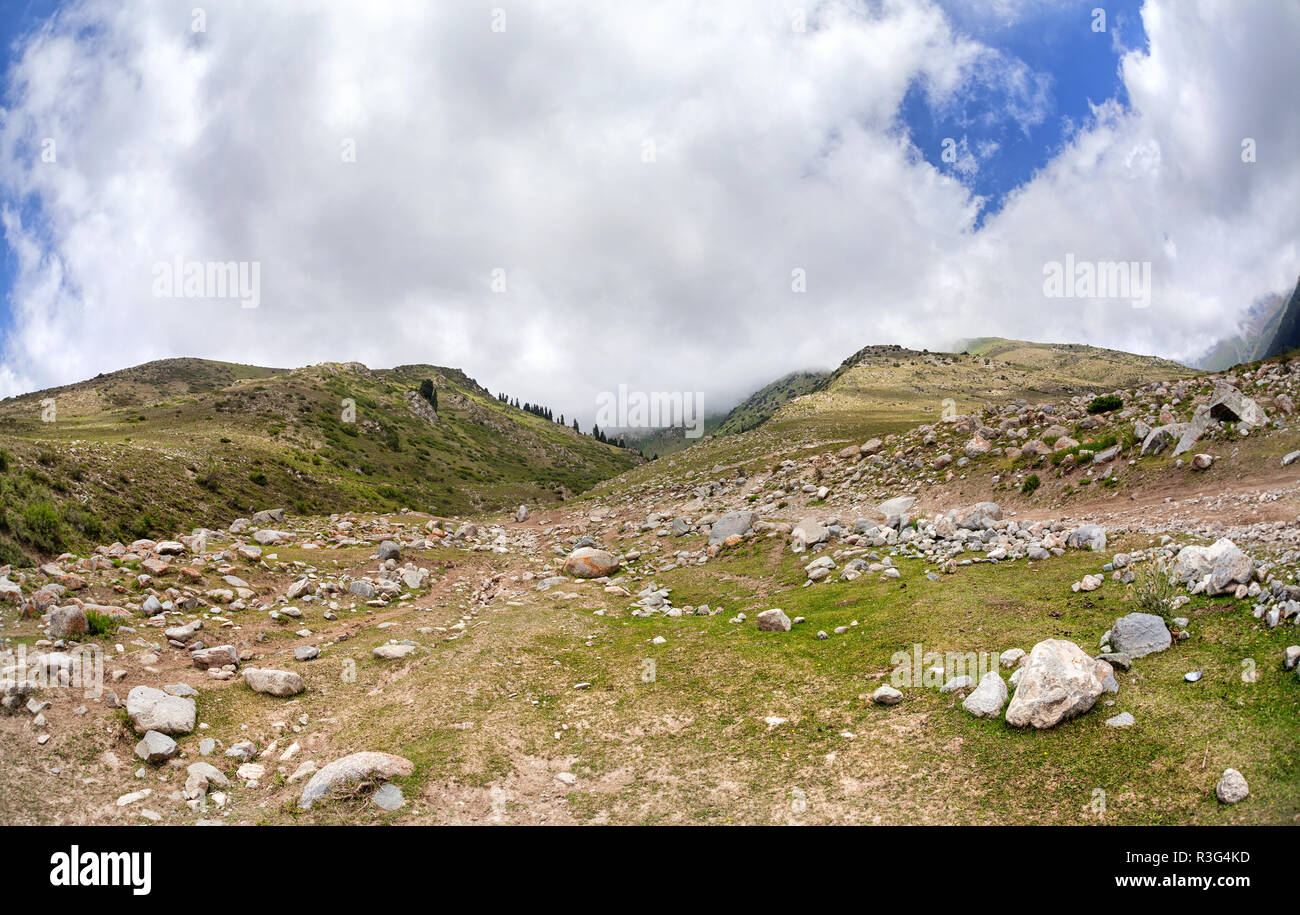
(884, 389)
(185, 442)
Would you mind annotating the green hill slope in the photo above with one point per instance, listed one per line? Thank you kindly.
(186, 442)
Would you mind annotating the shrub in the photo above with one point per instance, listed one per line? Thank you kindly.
(1031, 483)
(1105, 403)
(100, 623)
(41, 528)
(1152, 590)
(257, 477)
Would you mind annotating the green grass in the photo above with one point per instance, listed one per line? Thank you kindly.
(167, 446)
(691, 744)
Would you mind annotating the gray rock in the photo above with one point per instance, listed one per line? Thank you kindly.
(897, 507)
(362, 589)
(1232, 787)
(1193, 430)
(200, 776)
(156, 747)
(355, 769)
(956, 683)
(244, 750)
(1122, 720)
(773, 621)
(809, 531)
(388, 797)
(1140, 634)
(988, 698)
(393, 652)
(1222, 563)
(269, 516)
(1088, 536)
(153, 710)
(274, 682)
(389, 550)
(306, 652)
(1116, 659)
(1160, 438)
(216, 656)
(732, 524)
(1059, 682)
(886, 695)
(1231, 406)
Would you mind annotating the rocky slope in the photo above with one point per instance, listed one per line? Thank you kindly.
(902, 628)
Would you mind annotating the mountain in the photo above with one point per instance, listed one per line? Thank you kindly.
(1271, 326)
(750, 413)
(159, 447)
(758, 407)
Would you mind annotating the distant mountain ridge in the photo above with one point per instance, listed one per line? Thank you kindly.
(1270, 327)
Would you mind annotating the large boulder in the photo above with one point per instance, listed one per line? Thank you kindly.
(64, 622)
(808, 532)
(269, 516)
(1140, 634)
(979, 516)
(274, 682)
(589, 562)
(732, 524)
(773, 621)
(1088, 536)
(353, 770)
(389, 550)
(1229, 405)
(895, 510)
(153, 710)
(1192, 431)
(1160, 438)
(1222, 566)
(1059, 682)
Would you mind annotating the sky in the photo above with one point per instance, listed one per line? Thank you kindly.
(568, 196)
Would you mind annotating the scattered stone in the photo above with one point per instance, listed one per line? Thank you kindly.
(886, 695)
(1232, 787)
(588, 562)
(773, 621)
(1140, 634)
(988, 698)
(355, 769)
(154, 710)
(155, 747)
(274, 682)
(388, 797)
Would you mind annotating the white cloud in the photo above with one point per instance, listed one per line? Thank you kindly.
(523, 150)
